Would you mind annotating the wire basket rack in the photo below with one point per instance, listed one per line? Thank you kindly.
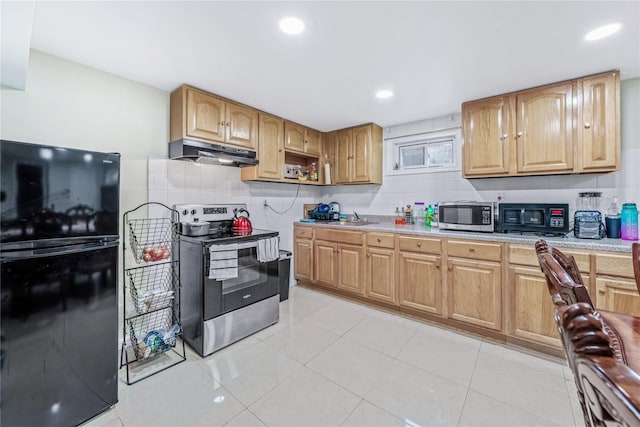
(151, 288)
(151, 239)
(153, 334)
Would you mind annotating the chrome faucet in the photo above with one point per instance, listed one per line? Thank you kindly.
(356, 215)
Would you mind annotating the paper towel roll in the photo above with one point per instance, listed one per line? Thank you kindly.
(327, 173)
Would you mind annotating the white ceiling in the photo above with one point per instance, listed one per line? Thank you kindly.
(433, 55)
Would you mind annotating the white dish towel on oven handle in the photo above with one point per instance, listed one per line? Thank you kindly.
(223, 261)
(268, 249)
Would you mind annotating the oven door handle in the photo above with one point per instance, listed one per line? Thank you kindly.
(248, 245)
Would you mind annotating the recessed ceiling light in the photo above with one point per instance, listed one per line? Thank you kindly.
(384, 94)
(602, 32)
(291, 25)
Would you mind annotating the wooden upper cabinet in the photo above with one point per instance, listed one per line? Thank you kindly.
(270, 147)
(567, 127)
(301, 139)
(242, 125)
(359, 155)
(312, 141)
(486, 130)
(205, 117)
(544, 129)
(599, 124)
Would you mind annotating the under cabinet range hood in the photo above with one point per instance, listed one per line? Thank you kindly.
(204, 152)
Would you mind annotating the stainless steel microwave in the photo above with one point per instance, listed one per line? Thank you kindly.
(541, 218)
(468, 216)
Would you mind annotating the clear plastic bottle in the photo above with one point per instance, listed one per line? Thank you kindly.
(418, 213)
(629, 221)
(313, 171)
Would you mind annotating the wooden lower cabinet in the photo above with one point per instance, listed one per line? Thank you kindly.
(303, 259)
(380, 275)
(339, 265)
(532, 316)
(615, 286)
(420, 281)
(474, 290)
(325, 263)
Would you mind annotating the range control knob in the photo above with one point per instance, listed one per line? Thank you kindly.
(193, 211)
(185, 212)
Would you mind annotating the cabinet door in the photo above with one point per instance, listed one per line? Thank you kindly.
(205, 116)
(361, 153)
(270, 147)
(475, 292)
(312, 141)
(617, 294)
(293, 137)
(242, 125)
(343, 161)
(544, 129)
(303, 259)
(326, 263)
(532, 316)
(350, 265)
(485, 126)
(599, 148)
(420, 280)
(380, 275)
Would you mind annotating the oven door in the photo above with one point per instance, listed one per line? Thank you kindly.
(255, 282)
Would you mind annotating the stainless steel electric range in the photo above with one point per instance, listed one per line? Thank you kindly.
(229, 279)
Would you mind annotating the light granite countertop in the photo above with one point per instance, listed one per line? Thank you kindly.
(386, 224)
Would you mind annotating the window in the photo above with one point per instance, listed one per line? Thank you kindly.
(424, 153)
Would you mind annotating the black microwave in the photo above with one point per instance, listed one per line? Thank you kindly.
(541, 218)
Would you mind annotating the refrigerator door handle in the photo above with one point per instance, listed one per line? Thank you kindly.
(56, 251)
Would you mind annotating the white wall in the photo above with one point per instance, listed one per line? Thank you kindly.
(69, 105)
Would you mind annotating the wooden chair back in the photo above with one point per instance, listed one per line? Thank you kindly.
(635, 255)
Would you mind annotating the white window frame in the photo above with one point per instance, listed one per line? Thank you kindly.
(427, 140)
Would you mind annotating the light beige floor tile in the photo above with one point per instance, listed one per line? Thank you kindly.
(367, 415)
(250, 371)
(298, 291)
(336, 318)
(350, 365)
(301, 306)
(443, 353)
(180, 396)
(417, 397)
(381, 335)
(549, 365)
(576, 408)
(305, 399)
(483, 411)
(530, 389)
(245, 419)
(109, 418)
(301, 341)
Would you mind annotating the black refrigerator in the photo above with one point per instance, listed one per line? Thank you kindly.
(58, 257)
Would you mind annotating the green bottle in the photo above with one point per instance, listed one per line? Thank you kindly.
(429, 216)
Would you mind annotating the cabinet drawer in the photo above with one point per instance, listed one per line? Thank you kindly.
(526, 255)
(419, 244)
(614, 264)
(353, 237)
(475, 250)
(381, 240)
(304, 232)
